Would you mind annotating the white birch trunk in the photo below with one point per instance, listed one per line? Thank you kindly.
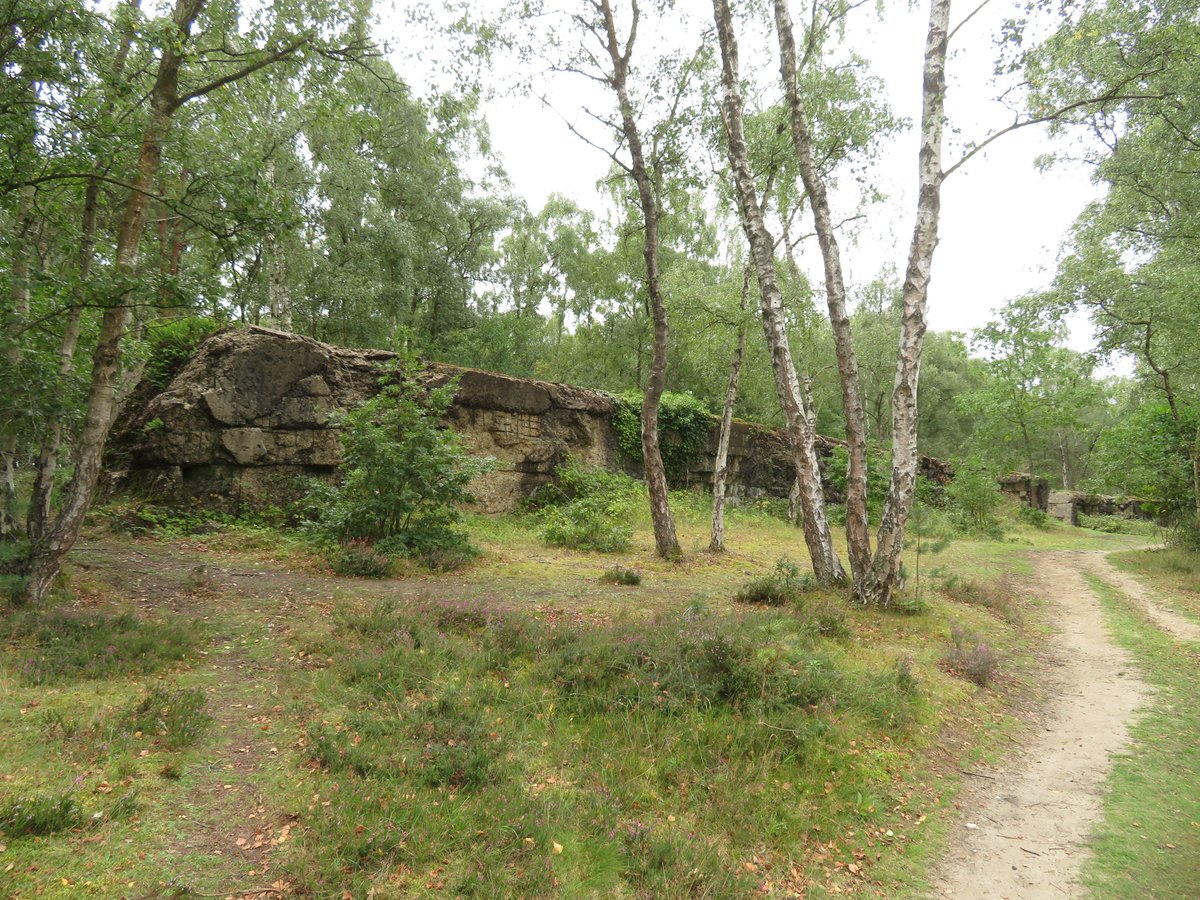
(47, 554)
(721, 461)
(665, 541)
(826, 565)
(884, 576)
(858, 535)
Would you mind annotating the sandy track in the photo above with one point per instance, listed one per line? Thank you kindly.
(1031, 824)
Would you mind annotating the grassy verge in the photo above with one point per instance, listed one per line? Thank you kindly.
(516, 728)
(1173, 571)
(1148, 844)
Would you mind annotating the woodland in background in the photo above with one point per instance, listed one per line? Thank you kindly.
(169, 164)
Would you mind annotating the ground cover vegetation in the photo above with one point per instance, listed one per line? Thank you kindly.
(515, 728)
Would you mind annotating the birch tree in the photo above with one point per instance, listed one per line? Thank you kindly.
(602, 27)
(797, 416)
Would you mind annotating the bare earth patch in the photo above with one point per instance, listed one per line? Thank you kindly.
(1025, 829)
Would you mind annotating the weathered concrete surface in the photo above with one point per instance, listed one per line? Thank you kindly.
(250, 412)
(1069, 505)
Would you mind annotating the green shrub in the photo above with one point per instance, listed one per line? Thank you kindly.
(684, 423)
(1115, 524)
(403, 476)
(587, 509)
(359, 558)
(1031, 516)
(973, 498)
(40, 815)
(621, 575)
(171, 343)
(784, 585)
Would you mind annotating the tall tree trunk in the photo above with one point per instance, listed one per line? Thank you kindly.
(720, 463)
(884, 576)
(858, 535)
(826, 565)
(18, 316)
(665, 541)
(277, 289)
(47, 554)
(42, 496)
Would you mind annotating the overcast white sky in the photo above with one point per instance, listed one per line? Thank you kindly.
(1002, 219)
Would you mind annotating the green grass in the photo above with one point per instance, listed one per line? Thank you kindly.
(1174, 572)
(1148, 843)
(57, 646)
(516, 728)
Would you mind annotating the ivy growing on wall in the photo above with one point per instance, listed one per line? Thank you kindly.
(683, 423)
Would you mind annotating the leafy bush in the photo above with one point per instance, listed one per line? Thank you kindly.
(41, 815)
(784, 585)
(403, 476)
(359, 558)
(1115, 524)
(621, 575)
(834, 470)
(972, 499)
(684, 423)
(171, 343)
(587, 509)
(1031, 516)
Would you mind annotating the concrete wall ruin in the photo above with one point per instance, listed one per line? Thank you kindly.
(249, 412)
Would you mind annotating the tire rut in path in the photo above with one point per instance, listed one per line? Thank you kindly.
(1032, 823)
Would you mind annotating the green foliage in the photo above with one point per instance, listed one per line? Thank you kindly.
(171, 343)
(403, 476)
(1035, 518)
(360, 558)
(59, 647)
(621, 575)
(1115, 524)
(1144, 455)
(784, 585)
(39, 815)
(684, 423)
(587, 509)
(879, 477)
(173, 716)
(973, 499)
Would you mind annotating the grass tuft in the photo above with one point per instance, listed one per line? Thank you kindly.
(61, 647)
(39, 815)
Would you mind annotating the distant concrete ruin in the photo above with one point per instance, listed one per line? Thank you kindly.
(1067, 506)
(249, 412)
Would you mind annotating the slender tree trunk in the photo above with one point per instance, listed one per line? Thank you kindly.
(42, 496)
(48, 553)
(18, 316)
(720, 464)
(884, 576)
(277, 288)
(826, 565)
(858, 535)
(665, 541)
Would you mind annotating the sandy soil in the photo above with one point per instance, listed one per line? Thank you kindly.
(1024, 829)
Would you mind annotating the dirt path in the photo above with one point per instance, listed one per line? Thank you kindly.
(1024, 834)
